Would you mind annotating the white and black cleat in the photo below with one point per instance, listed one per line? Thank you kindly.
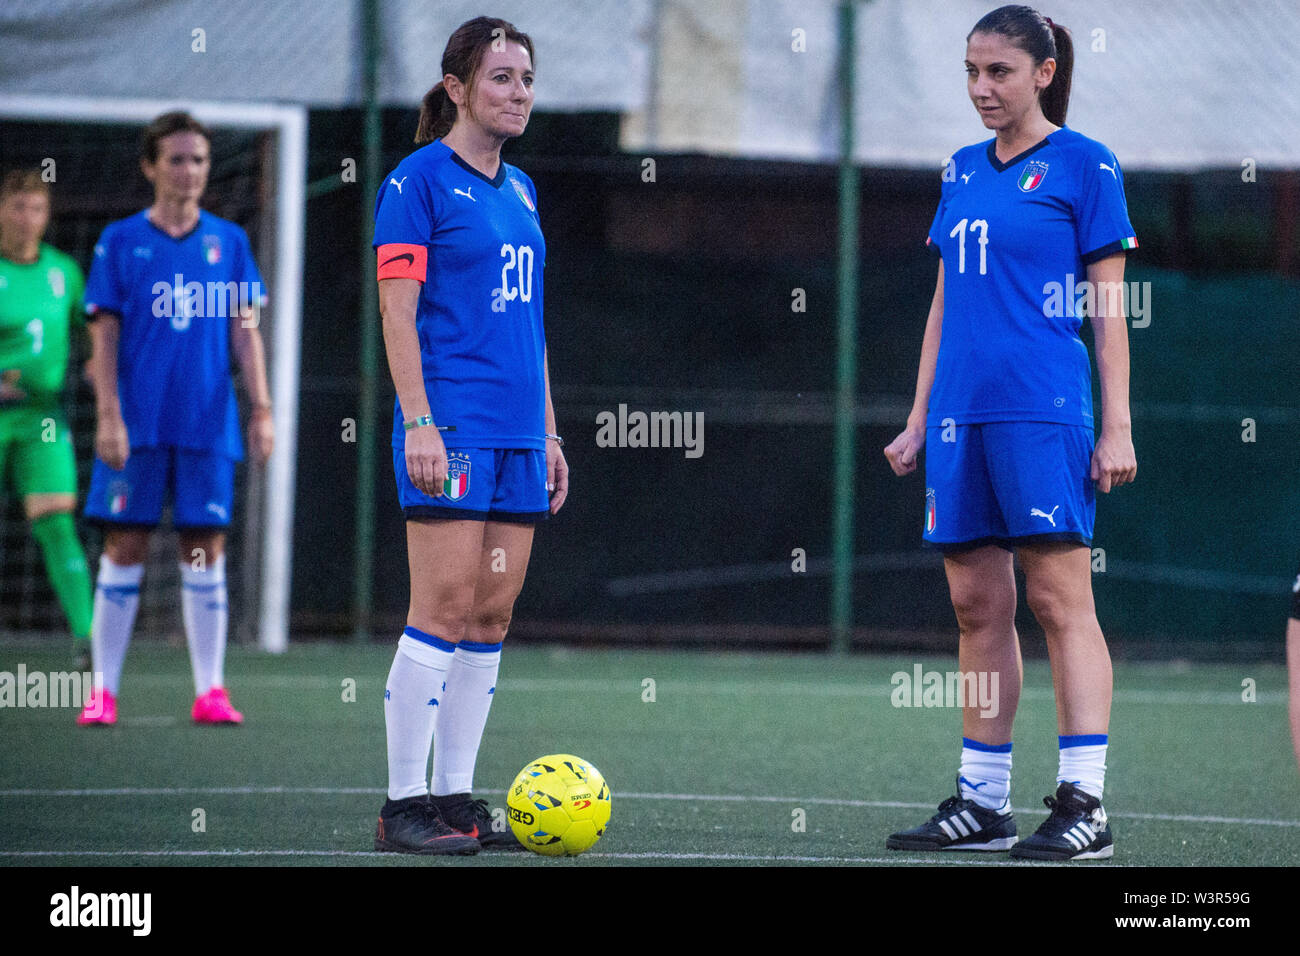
(1077, 829)
(960, 824)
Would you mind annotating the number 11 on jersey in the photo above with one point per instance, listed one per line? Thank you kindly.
(959, 231)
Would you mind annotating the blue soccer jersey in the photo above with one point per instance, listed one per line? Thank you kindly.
(1016, 240)
(476, 245)
(175, 298)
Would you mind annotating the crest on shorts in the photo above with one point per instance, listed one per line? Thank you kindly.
(212, 249)
(1032, 177)
(523, 194)
(929, 510)
(118, 493)
(456, 484)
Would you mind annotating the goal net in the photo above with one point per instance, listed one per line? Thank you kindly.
(88, 150)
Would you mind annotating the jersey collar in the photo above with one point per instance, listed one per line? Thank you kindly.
(163, 232)
(495, 182)
(1002, 167)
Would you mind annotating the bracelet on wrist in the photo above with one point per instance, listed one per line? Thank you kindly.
(557, 439)
(418, 422)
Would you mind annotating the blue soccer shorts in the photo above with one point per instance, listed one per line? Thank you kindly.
(201, 485)
(1008, 483)
(483, 484)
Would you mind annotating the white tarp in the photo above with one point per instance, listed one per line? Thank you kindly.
(1167, 84)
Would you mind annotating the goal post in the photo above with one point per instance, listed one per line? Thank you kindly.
(288, 125)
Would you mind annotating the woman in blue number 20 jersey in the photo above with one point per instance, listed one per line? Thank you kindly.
(1032, 231)
(475, 454)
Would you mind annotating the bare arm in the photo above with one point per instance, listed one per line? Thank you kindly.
(426, 456)
(250, 353)
(557, 467)
(929, 356)
(1114, 462)
(1293, 666)
(902, 451)
(112, 444)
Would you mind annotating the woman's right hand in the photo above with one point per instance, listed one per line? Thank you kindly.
(426, 459)
(112, 444)
(902, 451)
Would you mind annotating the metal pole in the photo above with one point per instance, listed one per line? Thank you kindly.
(846, 369)
(363, 571)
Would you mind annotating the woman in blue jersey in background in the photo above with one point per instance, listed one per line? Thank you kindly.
(475, 450)
(1027, 223)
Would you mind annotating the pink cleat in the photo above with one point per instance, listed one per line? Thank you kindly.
(100, 709)
(214, 708)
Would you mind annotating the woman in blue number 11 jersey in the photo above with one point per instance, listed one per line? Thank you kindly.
(476, 456)
(1032, 229)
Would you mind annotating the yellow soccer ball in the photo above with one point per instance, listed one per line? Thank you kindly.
(558, 805)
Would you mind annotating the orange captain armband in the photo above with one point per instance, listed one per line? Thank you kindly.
(402, 260)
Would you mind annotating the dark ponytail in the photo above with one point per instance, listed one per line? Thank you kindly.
(461, 59)
(437, 114)
(1041, 39)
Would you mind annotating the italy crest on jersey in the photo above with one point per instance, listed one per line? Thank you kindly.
(1032, 177)
(522, 193)
(929, 510)
(212, 249)
(456, 484)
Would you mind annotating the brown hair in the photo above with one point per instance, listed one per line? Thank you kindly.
(23, 181)
(1038, 36)
(461, 59)
(177, 121)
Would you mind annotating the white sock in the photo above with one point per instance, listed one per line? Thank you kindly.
(203, 606)
(411, 702)
(117, 595)
(985, 775)
(1083, 762)
(471, 683)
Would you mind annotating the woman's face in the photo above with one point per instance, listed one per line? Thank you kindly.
(180, 173)
(503, 91)
(1002, 80)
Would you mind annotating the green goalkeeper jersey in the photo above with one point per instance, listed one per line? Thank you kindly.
(39, 303)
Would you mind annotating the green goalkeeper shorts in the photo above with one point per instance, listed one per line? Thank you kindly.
(36, 455)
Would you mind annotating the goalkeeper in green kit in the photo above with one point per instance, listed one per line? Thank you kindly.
(40, 300)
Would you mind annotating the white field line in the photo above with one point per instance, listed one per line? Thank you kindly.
(947, 859)
(680, 797)
(632, 686)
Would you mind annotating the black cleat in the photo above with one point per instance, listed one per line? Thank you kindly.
(472, 817)
(1077, 829)
(81, 658)
(960, 824)
(413, 825)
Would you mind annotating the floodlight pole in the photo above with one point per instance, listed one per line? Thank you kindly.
(846, 369)
(368, 405)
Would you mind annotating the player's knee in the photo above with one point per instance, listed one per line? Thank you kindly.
(981, 609)
(1055, 608)
(126, 548)
(490, 626)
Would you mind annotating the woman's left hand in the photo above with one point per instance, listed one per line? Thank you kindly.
(557, 475)
(1114, 462)
(261, 434)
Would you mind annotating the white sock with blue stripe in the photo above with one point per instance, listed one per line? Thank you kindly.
(204, 610)
(411, 701)
(985, 776)
(1083, 762)
(117, 595)
(471, 684)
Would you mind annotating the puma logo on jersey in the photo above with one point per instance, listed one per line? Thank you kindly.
(465, 193)
(965, 177)
(1036, 513)
(399, 185)
(1111, 168)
